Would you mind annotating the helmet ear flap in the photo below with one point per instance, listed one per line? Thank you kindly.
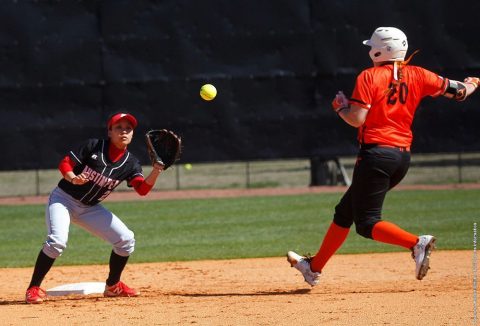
(375, 54)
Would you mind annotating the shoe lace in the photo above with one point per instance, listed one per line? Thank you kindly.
(308, 258)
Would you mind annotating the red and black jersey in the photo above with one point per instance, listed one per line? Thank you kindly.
(92, 159)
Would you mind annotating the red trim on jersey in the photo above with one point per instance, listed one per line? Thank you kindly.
(141, 187)
(66, 165)
(114, 153)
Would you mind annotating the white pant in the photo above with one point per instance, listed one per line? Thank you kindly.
(62, 208)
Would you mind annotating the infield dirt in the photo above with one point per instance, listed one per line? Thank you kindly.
(367, 289)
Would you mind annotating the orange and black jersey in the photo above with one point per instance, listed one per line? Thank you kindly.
(391, 112)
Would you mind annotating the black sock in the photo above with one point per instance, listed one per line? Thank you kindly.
(42, 266)
(117, 264)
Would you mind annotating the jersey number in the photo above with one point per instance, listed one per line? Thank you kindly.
(398, 92)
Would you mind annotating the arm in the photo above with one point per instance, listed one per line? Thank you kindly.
(352, 114)
(152, 177)
(66, 168)
(143, 186)
(461, 90)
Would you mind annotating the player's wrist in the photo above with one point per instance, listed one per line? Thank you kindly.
(475, 85)
(158, 167)
(474, 81)
(340, 102)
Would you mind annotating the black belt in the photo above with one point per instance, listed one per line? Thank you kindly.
(370, 146)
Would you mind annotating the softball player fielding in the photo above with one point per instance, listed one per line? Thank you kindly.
(90, 173)
(382, 107)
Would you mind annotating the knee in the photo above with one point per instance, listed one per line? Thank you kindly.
(342, 217)
(54, 246)
(365, 219)
(365, 228)
(126, 245)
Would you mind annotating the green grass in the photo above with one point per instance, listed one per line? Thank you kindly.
(225, 228)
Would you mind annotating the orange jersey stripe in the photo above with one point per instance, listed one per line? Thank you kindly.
(391, 113)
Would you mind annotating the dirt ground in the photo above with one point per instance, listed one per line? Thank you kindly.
(367, 289)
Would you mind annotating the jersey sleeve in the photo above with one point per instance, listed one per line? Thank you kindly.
(141, 187)
(66, 165)
(137, 171)
(82, 151)
(433, 84)
(363, 92)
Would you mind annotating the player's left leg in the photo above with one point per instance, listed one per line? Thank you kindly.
(106, 225)
(386, 169)
(376, 173)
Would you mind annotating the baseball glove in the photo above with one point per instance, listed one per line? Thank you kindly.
(163, 146)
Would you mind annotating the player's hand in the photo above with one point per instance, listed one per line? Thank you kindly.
(159, 167)
(340, 101)
(475, 81)
(79, 179)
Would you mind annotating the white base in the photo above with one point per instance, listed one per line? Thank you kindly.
(77, 288)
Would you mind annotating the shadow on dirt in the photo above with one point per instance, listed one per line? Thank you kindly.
(259, 293)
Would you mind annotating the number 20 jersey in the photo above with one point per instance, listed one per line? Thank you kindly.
(391, 112)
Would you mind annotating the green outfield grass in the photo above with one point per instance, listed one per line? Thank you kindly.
(225, 228)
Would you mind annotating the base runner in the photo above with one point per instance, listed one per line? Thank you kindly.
(382, 107)
(90, 173)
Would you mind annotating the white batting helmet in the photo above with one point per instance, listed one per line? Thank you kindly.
(388, 44)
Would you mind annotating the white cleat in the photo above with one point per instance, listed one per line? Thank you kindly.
(421, 254)
(303, 265)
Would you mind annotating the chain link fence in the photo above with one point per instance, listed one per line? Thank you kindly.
(425, 169)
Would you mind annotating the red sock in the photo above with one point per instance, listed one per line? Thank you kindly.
(334, 238)
(392, 234)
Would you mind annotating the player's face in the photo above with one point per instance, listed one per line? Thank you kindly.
(121, 133)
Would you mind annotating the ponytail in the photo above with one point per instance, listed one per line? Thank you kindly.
(397, 73)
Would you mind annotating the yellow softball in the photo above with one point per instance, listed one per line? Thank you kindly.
(208, 92)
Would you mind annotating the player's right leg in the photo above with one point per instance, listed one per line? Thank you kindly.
(57, 218)
(336, 234)
(311, 267)
(302, 264)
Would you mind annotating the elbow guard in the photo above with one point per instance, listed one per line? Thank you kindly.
(455, 90)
